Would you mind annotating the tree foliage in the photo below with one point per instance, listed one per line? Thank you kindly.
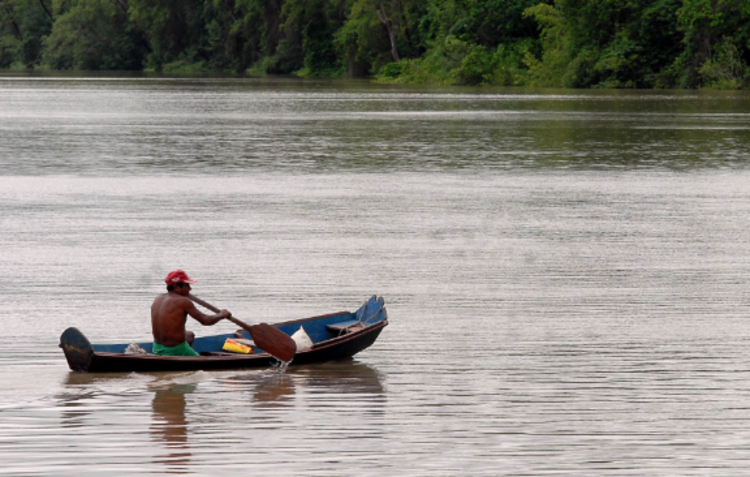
(94, 35)
(560, 43)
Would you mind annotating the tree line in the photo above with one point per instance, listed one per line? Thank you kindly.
(547, 43)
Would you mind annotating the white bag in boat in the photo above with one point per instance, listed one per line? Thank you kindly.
(301, 339)
(135, 348)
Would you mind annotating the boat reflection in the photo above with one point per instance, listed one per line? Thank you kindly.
(272, 390)
(337, 377)
(168, 420)
(346, 377)
(185, 407)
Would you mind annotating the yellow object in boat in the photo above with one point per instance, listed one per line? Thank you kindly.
(235, 347)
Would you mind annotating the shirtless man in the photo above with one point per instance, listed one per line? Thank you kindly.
(169, 315)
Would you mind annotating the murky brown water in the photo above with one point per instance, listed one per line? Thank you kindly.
(565, 275)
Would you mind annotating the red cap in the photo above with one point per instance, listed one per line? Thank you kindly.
(178, 276)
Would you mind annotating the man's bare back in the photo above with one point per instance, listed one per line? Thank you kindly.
(169, 314)
(168, 318)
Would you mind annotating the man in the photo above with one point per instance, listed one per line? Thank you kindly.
(169, 315)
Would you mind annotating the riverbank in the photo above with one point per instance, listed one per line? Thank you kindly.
(680, 44)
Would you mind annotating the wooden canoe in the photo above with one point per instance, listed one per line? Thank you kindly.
(334, 336)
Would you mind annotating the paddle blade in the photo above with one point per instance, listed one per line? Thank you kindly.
(273, 341)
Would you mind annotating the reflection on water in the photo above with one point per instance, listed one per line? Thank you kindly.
(340, 377)
(272, 390)
(170, 427)
(346, 377)
(178, 422)
(230, 126)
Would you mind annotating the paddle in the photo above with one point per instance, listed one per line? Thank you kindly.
(271, 340)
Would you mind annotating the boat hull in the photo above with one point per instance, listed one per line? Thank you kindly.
(334, 338)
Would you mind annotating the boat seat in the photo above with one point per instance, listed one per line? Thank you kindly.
(345, 326)
(217, 353)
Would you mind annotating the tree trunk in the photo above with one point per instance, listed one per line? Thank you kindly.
(46, 10)
(12, 21)
(389, 27)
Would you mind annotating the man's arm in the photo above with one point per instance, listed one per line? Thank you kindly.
(202, 318)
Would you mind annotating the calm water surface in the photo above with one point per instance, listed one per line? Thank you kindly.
(565, 274)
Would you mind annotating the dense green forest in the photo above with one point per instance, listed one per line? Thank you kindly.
(556, 43)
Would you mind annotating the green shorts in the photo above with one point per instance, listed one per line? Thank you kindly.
(182, 349)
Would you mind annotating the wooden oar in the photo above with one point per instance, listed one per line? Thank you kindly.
(271, 340)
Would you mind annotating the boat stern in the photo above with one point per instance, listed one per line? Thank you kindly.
(78, 350)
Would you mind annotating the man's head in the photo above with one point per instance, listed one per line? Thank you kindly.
(178, 279)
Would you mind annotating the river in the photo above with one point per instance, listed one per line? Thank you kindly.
(565, 274)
